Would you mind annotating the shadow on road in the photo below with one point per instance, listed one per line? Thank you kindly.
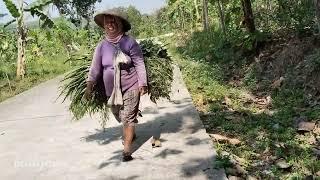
(180, 121)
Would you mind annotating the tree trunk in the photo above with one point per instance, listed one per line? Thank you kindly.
(221, 16)
(269, 9)
(87, 26)
(197, 10)
(317, 7)
(248, 15)
(205, 15)
(183, 18)
(21, 43)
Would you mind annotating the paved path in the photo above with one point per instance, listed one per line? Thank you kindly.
(39, 142)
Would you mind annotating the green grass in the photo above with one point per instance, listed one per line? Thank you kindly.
(47, 55)
(19, 86)
(263, 135)
(37, 72)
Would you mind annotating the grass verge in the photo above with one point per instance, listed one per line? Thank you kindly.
(255, 130)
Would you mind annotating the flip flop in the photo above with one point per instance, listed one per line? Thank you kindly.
(126, 156)
(155, 143)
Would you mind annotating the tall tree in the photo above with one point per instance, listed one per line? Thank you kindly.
(182, 13)
(248, 15)
(22, 34)
(205, 15)
(220, 6)
(135, 18)
(76, 10)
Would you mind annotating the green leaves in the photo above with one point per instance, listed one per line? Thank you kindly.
(39, 5)
(151, 49)
(183, 14)
(76, 9)
(73, 88)
(12, 8)
(8, 23)
(47, 22)
(36, 9)
(159, 69)
(7, 55)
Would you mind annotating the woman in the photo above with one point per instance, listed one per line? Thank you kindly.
(133, 76)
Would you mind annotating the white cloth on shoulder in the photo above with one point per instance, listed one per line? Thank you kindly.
(118, 58)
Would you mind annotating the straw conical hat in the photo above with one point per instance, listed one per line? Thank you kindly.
(99, 18)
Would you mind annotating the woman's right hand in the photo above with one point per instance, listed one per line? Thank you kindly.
(89, 90)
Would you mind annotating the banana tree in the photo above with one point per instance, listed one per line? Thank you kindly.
(18, 14)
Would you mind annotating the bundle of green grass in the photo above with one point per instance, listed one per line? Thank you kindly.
(159, 70)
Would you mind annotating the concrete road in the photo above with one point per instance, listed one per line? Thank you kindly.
(38, 141)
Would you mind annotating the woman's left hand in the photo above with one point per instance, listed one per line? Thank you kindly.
(143, 90)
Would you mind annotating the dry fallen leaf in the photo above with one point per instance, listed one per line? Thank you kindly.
(282, 164)
(316, 152)
(224, 139)
(304, 126)
(277, 83)
(234, 141)
(227, 100)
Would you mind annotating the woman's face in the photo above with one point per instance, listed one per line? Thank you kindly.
(112, 24)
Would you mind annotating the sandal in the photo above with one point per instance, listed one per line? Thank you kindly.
(126, 156)
(155, 143)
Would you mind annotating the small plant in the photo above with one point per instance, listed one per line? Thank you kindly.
(314, 60)
(222, 161)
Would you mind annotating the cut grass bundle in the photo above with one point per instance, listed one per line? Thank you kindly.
(159, 69)
(160, 76)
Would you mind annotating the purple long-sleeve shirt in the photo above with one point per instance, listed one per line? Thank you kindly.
(133, 75)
